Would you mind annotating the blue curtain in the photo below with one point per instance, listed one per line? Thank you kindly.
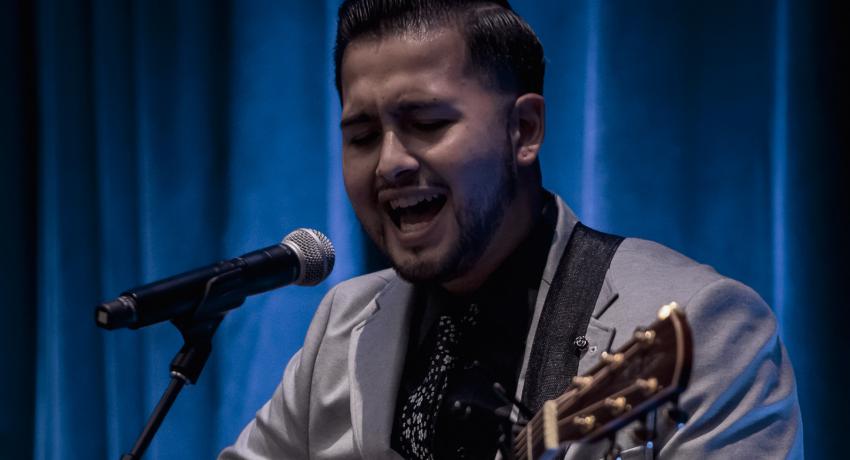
(144, 138)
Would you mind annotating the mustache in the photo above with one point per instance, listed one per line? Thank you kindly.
(413, 180)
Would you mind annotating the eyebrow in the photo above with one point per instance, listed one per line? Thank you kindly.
(412, 106)
(357, 118)
(403, 107)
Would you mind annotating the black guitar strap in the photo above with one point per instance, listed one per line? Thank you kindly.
(566, 313)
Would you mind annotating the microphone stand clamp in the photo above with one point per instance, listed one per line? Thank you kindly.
(197, 329)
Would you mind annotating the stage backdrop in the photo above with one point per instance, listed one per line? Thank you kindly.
(143, 138)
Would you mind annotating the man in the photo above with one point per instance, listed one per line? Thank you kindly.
(442, 122)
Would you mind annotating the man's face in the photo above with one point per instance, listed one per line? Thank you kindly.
(427, 158)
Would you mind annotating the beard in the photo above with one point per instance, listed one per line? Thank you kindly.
(477, 224)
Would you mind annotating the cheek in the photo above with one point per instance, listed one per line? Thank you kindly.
(471, 153)
(475, 170)
(358, 178)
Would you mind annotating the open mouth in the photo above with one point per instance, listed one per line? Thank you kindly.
(413, 213)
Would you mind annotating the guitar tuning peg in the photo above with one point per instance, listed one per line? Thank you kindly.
(646, 336)
(617, 405)
(613, 359)
(585, 423)
(582, 381)
(666, 310)
(648, 386)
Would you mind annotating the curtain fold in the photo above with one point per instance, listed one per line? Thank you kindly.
(19, 223)
(141, 139)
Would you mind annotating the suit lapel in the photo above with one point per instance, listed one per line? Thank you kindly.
(600, 333)
(376, 359)
(607, 295)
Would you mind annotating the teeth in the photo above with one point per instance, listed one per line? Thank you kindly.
(406, 202)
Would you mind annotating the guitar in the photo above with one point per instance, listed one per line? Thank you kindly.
(650, 369)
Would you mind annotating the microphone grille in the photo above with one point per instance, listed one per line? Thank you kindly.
(315, 254)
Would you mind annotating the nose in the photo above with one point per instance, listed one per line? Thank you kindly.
(395, 162)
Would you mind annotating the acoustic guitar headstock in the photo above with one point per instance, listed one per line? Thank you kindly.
(650, 369)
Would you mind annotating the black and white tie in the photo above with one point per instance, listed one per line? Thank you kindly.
(420, 410)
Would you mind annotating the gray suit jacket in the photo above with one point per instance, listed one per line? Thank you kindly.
(337, 397)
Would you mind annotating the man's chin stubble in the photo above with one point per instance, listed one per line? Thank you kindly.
(425, 272)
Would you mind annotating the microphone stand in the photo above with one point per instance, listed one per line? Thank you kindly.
(197, 330)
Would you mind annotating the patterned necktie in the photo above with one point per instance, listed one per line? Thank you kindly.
(419, 413)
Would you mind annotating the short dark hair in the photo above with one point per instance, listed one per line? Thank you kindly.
(502, 47)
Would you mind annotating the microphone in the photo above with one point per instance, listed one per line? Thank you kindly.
(305, 257)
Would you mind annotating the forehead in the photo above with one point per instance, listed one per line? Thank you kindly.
(430, 62)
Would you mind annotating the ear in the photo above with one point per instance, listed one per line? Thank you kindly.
(528, 125)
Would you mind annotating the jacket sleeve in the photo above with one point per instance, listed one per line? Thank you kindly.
(742, 397)
(280, 428)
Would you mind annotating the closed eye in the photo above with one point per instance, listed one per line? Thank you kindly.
(364, 139)
(430, 125)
